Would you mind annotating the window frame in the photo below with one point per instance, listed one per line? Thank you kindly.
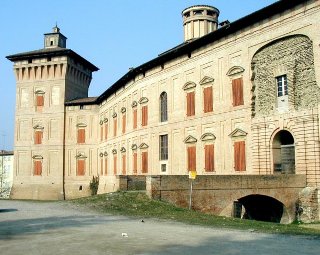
(163, 107)
(163, 147)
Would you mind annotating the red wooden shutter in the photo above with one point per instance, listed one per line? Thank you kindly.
(124, 163)
(81, 135)
(115, 127)
(135, 162)
(106, 131)
(135, 118)
(115, 165)
(192, 158)
(40, 100)
(37, 164)
(144, 115)
(38, 137)
(209, 157)
(190, 104)
(240, 156)
(80, 167)
(237, 91)
(105, 166)
(123, 123)
(144, 157)
(207, 99)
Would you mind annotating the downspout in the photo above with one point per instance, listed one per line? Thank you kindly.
(63, 153)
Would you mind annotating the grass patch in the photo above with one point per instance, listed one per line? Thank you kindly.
(137, 204)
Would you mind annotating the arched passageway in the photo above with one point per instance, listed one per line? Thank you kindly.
(283, 151)
(261, 208)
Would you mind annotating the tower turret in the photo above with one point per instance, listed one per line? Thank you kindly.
(199, 20)
(55, 39)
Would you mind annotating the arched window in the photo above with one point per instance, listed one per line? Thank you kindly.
(163, 107)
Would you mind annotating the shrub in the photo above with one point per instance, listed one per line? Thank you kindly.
(94, 185)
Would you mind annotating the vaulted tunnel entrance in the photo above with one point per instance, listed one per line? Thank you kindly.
(261, 208)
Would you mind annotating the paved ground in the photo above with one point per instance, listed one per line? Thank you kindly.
(58, 228)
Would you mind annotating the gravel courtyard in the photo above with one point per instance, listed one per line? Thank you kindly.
(60, 228)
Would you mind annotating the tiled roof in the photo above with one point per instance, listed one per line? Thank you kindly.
(51, 52)
(79, 101)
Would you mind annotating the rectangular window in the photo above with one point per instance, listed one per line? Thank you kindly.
(38, 134)
(123, 123)
(144, 112)
(37, 167)
(163, 147)
(144, 158)
(135, 118)
(135, 162)
(115, 165)
(106, 131)
(190, 104)
(209, 157)
(81, 138)
(282, 85)
(105, 166)
(101, 166)
(115, 127)
(101, 132)
(237, 91)
(124, 164)
(81, 167)
(192, 158)
(240, 156)
(39, 100)
(207, 99)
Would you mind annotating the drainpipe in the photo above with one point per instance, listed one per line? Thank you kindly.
(63, 154)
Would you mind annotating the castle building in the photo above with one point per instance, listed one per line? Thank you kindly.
(234, 99)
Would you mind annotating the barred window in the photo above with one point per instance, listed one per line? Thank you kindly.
(282, 85)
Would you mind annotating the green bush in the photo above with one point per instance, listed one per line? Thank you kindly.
(94, 185)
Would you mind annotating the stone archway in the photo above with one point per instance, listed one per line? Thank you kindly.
(283, 152)
(262, 208)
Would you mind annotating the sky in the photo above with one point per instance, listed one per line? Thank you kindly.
(113, 35)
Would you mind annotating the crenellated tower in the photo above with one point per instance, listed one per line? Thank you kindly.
(45, 80)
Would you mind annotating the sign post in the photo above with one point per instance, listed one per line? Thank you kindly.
(192, 176)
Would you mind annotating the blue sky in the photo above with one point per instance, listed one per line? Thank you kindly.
(113, 35)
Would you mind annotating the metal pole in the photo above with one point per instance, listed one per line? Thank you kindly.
(190, 198)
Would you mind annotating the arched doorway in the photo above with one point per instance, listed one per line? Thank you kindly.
(283, 151)
(262, 208)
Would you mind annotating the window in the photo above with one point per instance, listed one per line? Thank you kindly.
(114, 164)
(81, 163)
(144, 159)
(144, 112)
(135, 118)
(106, 131)
(282, 85)
(39, 101)
(207, 100)
(237, 91)
(105, 166)
(163, 147)
(38, 134)
(135, 162)
(239, 156)
(101, 166)
(37, 167)
(101, 132)
(190, 103)
(123, 123)
(209, 157)
(124, 164)
(163, 107)
(81, 138)
(191, 151)
(115, 126)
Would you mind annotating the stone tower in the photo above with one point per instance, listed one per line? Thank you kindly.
(199, 20)
(45, 80)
